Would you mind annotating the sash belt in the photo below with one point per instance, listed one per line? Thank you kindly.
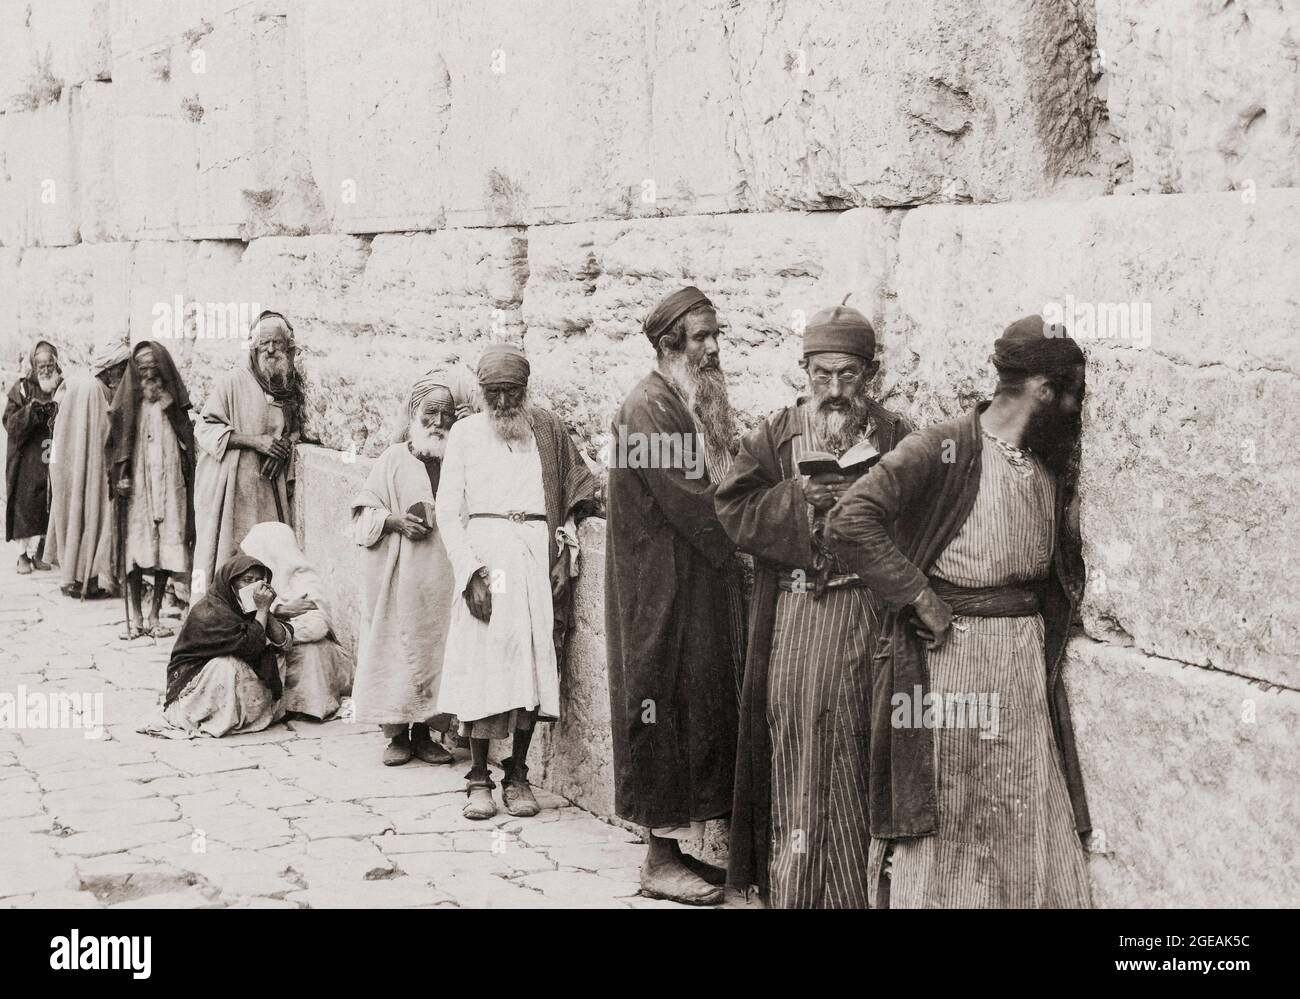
(1012, 600)
(517, 516)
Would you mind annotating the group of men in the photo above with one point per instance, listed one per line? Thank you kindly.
(790, 615)
(110, 478)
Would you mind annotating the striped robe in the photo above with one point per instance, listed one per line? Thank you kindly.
(1006, 836)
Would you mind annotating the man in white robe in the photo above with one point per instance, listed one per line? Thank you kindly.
(80, 539)
(512, 489)
(407, 587)
(246, 434)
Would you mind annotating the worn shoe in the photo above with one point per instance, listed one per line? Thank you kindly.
(675, 883)
(516, 791)
(428, 749)
(701, 868)
(480, 804)
(24, 565)
(398, 751)
(41, 566)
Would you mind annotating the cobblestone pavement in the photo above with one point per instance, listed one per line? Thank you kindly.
(301, 815)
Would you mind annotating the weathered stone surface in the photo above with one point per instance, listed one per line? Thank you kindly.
(44, 45)
(1184, 407)
(1189, 774)
(38, 174)
(590, 287)
(1204, 96)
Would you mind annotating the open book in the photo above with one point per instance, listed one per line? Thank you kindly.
(855, 461)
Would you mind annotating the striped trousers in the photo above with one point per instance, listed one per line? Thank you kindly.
(818, 701)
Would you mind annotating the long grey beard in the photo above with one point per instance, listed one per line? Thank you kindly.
(511, 425)
(426, 443)
(839, 429)
(48, 385)
(705, 392)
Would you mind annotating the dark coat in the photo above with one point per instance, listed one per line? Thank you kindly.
(29, 429)
(889, 528)
(762, 506)
(218, 626)
(667, 629)
(123, 421)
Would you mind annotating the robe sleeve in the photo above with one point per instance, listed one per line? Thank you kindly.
(368, 525)
(860, 527)
(310, 627)
(764, 514)
(213, 429)
(20, 418)
(449, 507)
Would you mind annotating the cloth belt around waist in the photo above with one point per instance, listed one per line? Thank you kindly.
(517, 516)
(789, 583)
(1011, 600)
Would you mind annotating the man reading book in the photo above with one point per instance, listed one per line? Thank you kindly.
(798, 828)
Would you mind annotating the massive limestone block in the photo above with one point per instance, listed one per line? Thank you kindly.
(96, 163)
(1204, 95)
(39, 203)
(215, 93)
(1188, 774)
(590, 287)
(45, 46)
(906, 103)
(1186, 307)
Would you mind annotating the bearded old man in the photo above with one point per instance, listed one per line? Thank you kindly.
(512, 492)
(246, 435)
(673, 616)
(976, 797)
(407, 588)
(151, 462)
(799, 826)
(29, 426)
(80, 539)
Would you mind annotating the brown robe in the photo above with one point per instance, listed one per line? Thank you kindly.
(667, 630)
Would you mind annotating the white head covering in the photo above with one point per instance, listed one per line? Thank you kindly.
(274, 545)
(110, 352)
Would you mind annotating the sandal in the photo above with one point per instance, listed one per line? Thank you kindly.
(480, 804)
(159, 631)
(516, 791)
(130, 633)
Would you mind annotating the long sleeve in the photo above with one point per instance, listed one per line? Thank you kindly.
(21, 419)
(213, 429)
(449, 508)
(764, 514)
(367, 525)
(860, 527)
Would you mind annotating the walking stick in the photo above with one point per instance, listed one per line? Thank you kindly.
(120, 502)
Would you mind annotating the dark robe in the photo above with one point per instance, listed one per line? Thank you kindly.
(29, 426)
(667, 630)
(123, 421)
(889, 528)
(218, 626)
(570, 491)
(761, 504)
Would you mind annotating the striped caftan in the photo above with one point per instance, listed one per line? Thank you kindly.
(1006, 836)
(818, 700)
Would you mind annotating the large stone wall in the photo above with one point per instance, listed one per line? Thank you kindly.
(408, 179)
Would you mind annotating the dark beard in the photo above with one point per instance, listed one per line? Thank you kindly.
(705, 389)
(510, 422)
(1052, 434)
(840, 427)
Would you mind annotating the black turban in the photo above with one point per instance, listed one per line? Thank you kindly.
(671, 309)
(1031, 347)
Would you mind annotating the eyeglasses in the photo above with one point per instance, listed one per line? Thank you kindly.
(846, 377)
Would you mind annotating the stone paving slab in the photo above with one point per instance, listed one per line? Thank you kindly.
(302, 815)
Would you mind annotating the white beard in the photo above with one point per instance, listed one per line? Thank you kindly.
(431, 443)
(48, 385)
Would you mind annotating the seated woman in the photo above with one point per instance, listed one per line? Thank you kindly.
(224, 674)
(318, 672)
